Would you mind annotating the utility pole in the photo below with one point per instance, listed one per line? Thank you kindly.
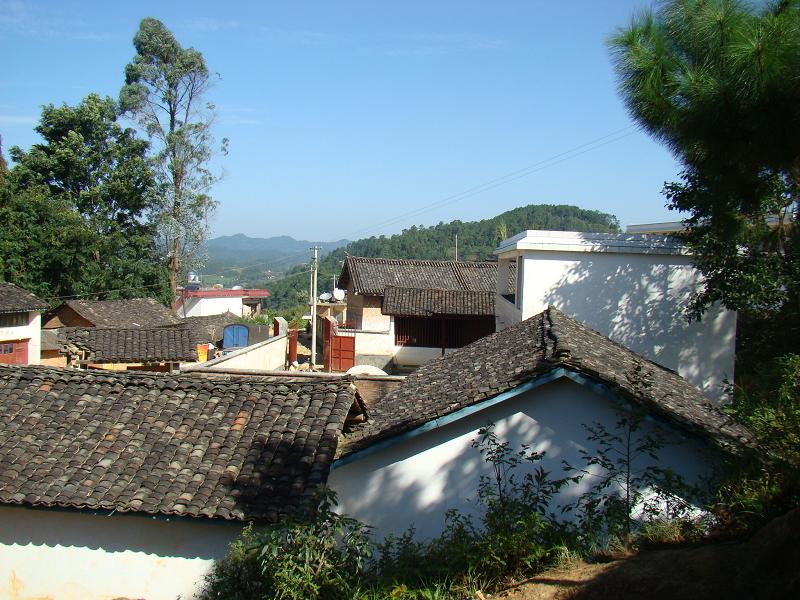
(456, 247)
(315, 256)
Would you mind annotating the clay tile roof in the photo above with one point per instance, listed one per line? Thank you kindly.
(530, 349)
(227, 447)
(134, 312)
(413, 302)
(15, 299)
(209, 328)
(132, 345)
(371, 276)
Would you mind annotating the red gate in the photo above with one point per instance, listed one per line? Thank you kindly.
(339, 347)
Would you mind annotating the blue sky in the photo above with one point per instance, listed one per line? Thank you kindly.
(344, 117)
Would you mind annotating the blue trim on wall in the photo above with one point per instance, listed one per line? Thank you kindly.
(557, 373)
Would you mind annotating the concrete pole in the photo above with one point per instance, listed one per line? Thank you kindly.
(314, 307)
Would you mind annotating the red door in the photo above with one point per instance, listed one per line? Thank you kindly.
(343, 352)
(14, 352)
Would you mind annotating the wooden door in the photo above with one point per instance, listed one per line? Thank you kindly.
(343, 352)
(14, 352)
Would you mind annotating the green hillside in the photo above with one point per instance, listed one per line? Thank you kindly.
(476, 241)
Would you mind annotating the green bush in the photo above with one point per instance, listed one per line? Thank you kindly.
(318, 558)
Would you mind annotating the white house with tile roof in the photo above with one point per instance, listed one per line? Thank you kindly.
(632, 287)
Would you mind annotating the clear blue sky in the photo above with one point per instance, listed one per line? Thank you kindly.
(344, 115)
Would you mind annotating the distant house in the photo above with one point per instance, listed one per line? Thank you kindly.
(407, 312)
(20, 325)
(125, 314)
(129, 485)
(539, 381)
(632, 287)
(163, 349)
(205, 302)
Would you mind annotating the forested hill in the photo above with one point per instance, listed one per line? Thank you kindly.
(476, 241)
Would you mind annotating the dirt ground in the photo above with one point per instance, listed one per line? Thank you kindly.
(765, 567)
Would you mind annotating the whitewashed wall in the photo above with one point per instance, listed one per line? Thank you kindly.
(32, 331)
(632, 288)
(269, 355)
(203, 307)
(417, 481)
(63, 555)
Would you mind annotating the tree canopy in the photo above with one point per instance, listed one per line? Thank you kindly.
(476, 241)
(717, 82)
(164, 90)
(75, 208)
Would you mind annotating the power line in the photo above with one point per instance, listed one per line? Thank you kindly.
(509, 177)
(98, 292)
(541, 165)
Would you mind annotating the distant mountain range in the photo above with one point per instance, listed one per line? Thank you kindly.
(278, 253)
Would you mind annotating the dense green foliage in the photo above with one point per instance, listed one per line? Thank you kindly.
(476, 241)
(75, 208)
(715, 80)
(164, 90)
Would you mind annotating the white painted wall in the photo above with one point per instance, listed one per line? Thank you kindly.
(632, 288)
(32, 331)
(269, 355)
(64, 555)
(203, 307)
(418, 480)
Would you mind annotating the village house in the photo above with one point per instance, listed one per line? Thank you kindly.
(241, 302)
(539, 382)
(404, 313)
(129, 484)
(633, 287)
(20, 325)
(124, 314)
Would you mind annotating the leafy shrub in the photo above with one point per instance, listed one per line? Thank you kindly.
(320, 558)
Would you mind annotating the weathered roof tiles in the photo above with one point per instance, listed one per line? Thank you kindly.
(15, 299)
(173, 344)
(530, 349)
(133, 312)
(227, 447)
(371, 276)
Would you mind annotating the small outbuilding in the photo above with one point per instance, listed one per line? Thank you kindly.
(129, 485)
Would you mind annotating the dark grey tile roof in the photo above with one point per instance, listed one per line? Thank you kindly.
(14, 299)
(172, 344)
(371, 276)
(508, 358)
(206, 329)
(427, 302)
(134, 312)
(229, 447)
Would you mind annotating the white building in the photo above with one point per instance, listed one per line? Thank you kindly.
(206, 302)
(634, 288)
(540, 382)
(20, 325)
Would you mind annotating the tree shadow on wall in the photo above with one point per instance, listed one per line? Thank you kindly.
(642, 309)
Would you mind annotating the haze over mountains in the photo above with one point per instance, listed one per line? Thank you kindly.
(247, 253)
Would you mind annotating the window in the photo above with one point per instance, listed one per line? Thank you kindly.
(19, 319)
(438, 333)
(6, 348)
